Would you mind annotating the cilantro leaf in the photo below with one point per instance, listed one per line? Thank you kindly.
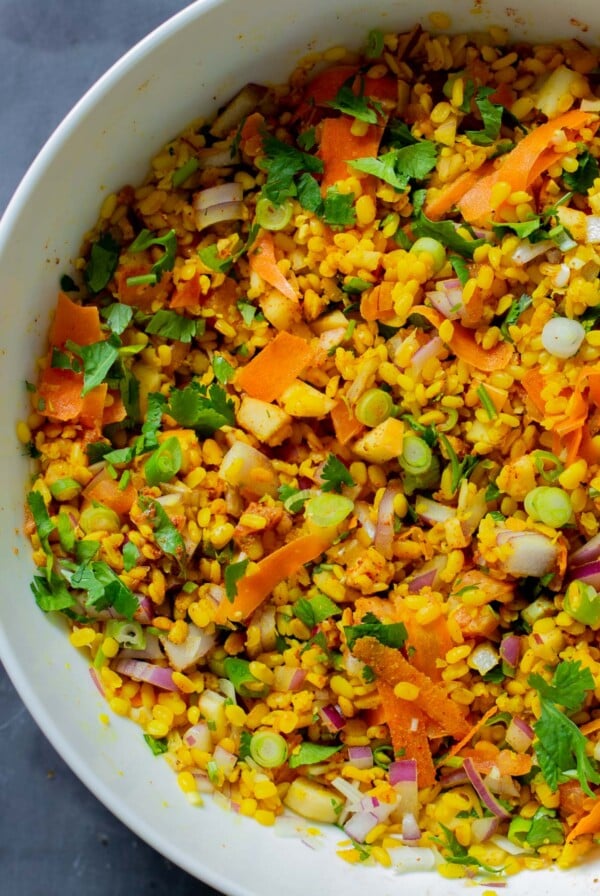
(375, 44)
(233, 573)
(545, 829)
(491, 116)
(104, 588)
(523, 229)
(97, 360)
(311, 754)
(117, 316)
(130, 556)
(223, 370)
(513, 314)
(399, 166)
(51, 593)
(582, 179)
(398, 134)
(461, 269)
(210, 256)
(158, 745)
(102, 263)
(171, 325)
(569, 686)
(166, 534)
(338, 208)
(457, 854)
(446, 233)
(459, 469)
(335, 474)
(392, 634)
(359, 106)
(43, 524)
(145, 240)
(560, 748)
(283, 163)
(313, 610)
(200, 408)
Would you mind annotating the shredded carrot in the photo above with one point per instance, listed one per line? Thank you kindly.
(407, 731)
(345, 424)
(255, 587)
(506, 761)
(533, 381)
(275, 367)
(251, 134)
(60, 392)
(263, 262)
(530, 157)
(340, 145)
(377, 303)
(449, 194)
(75, 322)
(590, 727)
(143, 295)
(465, 347)
(322, 89)
(108, 491)
(115, 411)
(391, 666)
(589, 824)
(481, 722)
(187, 293)
(594, 388)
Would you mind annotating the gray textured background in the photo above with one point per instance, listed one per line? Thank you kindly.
(55, 837)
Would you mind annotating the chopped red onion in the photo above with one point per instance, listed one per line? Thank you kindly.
(519, 735)
(483, 828)
(96, 679)
(140, 671)
(449, 302)
(224, 760)
(145, 611)
(588, 573)
(360, 824)
(242, 104)
(196, 645)
(199, 736)
(410, 828)
(286, 678)
(484, 658)
(422, 580)
(503, 785)
(384, 531)
(216, 204)
(380, 809)
(151, 651)
(202, 782)
(586, 553)
(592, 225)
(332, 717)
(431, 349)
(362, 512)
(533, 554)
(219, 155)
(403, 778)
(433, 512)
(453, 778)
(360, 757)
(510, 650)
(482, 791)
(526, 251)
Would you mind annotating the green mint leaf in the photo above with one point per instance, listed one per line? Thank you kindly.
(102, 263)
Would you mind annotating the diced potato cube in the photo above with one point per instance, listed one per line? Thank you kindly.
(302, 400)
(382, 443)
(268, 422)
(313, 801)
(244, 466)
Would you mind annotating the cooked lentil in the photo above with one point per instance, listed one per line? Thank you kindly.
(403, 646)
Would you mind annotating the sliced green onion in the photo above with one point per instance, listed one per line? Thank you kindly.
(486, 402)
(65, 489)
(582, 602)
(297, 501)
(355, 285)
(541, 458)
(142, 280)
(416, 457)
(424, 481)
(549, 505)
(383, 755)
(433, 248)
(273, 217)
(164, 463)
(186, 170)
(373, 407)
(374, 47)
(518, 830)
(450, 422)
(128, 634)
(245, 683)
(268, 749)
(98, 518)
(539, 609)
(328, 509)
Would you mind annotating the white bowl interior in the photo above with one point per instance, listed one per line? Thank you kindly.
(192, 64)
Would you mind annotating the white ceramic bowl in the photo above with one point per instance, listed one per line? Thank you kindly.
(187, 67)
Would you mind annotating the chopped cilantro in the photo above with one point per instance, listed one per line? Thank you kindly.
(359, 106)
(117, 316)
(457, 854)
(460, 268)
(492, 492)
(392, 634)
(338, 208)
(166, 534)
(249, 312)
(102, 263)
(43, 524)
(67, 284)
(334, 475)
(446, 233)
(355, 285)
(283, 163)
(311, 754)
(545, 828)
(398, 134)
(307, 139)
(51, 593)
(201, 408)
(130, 556)
(145, 240)
(313, 610)
(171, 325)
(569, 686)
(491, 116)
(513, 314)
(97, 358)
(158, 745)
(399, 166)
(233, 573)
(223, 370)
(582, 179)
(103, 586)
(459, 469)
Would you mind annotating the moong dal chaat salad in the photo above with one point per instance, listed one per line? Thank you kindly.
(317, 442)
